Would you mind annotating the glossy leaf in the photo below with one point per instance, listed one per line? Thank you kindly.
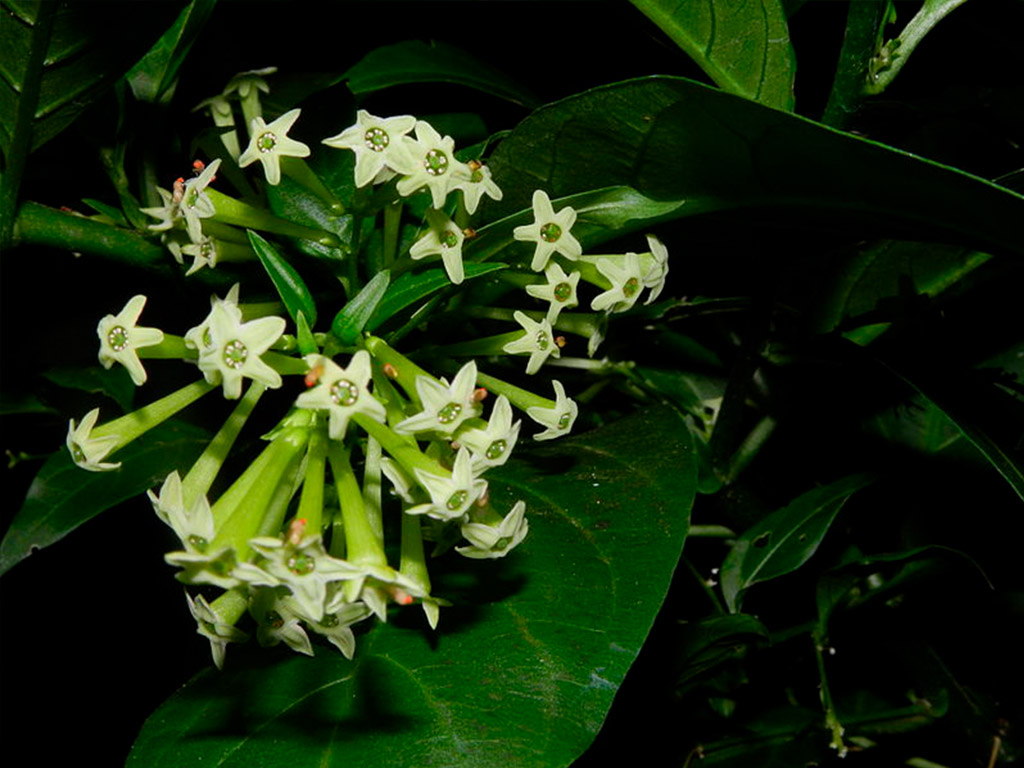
(352, 318)
(410, 288)
(63, 496)
(289, 284)
(156, 73)
(674, 139)
(785, 540)
(415, 61)
(743, 47)
(523, 668)
(115, 382)
(715, 640)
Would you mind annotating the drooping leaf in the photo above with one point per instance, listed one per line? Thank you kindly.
(289, 284)
(674, 139)
(415, 61)
(742, 46)
(786, 539)
(352, 318)
(154, 75)
(63, 496)
(410, 288)
(523, 668)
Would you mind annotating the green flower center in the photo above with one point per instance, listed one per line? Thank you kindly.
(563, 421)
(300, 565)
(550, 232)
(377, 139)
(501, 544)
(206, 247)
(449, 413)
(563, 292)
(449, 239)
(496, 450)
(436, 162)
(78, 454)
(631, 287)
(476, 176)
(207, 338)
(329, 620)
(274, 619)
(266, 142)
(457, 500)
(542, 340)
(198, 543)
(344, 392)
(191, 198)
(235, 353)
(118, 339)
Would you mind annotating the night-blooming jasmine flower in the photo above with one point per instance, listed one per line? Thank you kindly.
(195, 203)
(248, 85)
(492, 446)
(377, 143)
(216, 567)
(450, 496)
(559, 419)
(433, 164)
(230, 349)
(120, 337)
(203, 253)
(199, 337)
(213, 628)
(168, 213)
(627, 281)
(194, 527)
(655, 267)
(492, 541)
(474, 179)
(278, 621)
(445, 406)
(224, 119)
(335, 626)
(538, 342)
(560, 290)
(550, 231)
(268, 143)
(342, 392)
(401, 482)
(88, 452)
(445, 239)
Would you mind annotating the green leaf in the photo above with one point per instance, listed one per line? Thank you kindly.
(865, 22)
(352, 318)
(415, 61)
(155, 73)
(410, 288)
(743, 47)
(296, 203)
(521, 671)
(63, 496)
(674, 139)
(290, 286)
(715, 640)
(115, 382)
(786, 539)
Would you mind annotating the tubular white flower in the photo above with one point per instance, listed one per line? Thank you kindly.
(538, 342)
(377, 143)
(89, 452)
(559, 419)
(195, 203)
(445, 406)
(445, 239)
(550, 231)
(203, 253)
(433, 164)
(194, 527)
(120, 337)
(655, 266)
(560, 290)
(627, 281)
(493, 541)
(213, 628)
(450, 496)
(492, 446)
(342, 392)
(474, 179)
(168, 213)
(269, 142)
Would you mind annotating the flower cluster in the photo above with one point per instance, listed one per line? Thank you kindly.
(297, 539)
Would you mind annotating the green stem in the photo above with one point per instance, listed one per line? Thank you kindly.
(414, 562)
(202, 474)
(831, 719)
(520, 398)
(311, 503)
(372, 496)
(285, 364)
(363, 544)
(400, 449)
(298, 169)
(231, 605)
(487, 346)
(131, 425)
(38, 225)
(171, 348)
(405, 371)
(232, 211)
(392, 226)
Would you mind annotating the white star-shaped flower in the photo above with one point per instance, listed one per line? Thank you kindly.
(474, 179)
(433, 164)
(450, 496)
(195, 203)
(88, 452)
(342, 391)
(278, 620)
(493, 541)
(213, 628)
(444, 239)
(377, 143)
(194, 527)
(538, 342)
(203, 253)
(168, 213)
(655, 267)
(269, 142)
(560, 290)
(120, 337)
(492, 446)
(445, 406)
(627, 281)
(558, 419)
(550, 231)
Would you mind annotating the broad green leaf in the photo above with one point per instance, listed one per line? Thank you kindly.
(63, 496)
(156, 73)
(521, 671)
(410, 288)
(289, 284)
(295, 202)
(865, 22)
(352, 318)
(786, 539)
(415, 61)
(115, 382)
(674, 139)
(742, 46)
